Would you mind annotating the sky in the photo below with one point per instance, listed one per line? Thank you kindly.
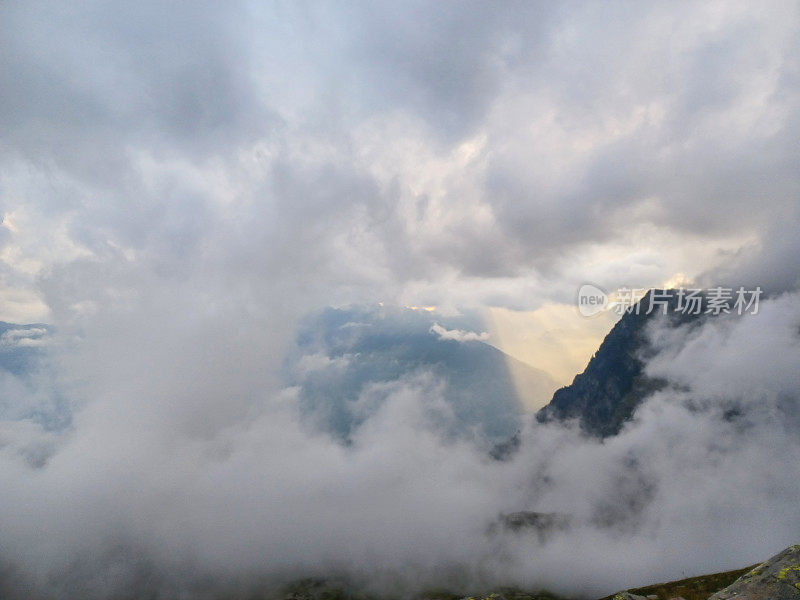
(181, 182)
(460, 155)
(463, 154)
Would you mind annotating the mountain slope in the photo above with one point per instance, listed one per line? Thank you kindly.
(776, 579)
(693, 588)
(20, 346)
(606, 394)
(346, 361)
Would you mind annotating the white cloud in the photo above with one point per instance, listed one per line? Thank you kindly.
(459, 335)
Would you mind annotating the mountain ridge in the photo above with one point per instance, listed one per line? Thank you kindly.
(356, 354)
(605, 395)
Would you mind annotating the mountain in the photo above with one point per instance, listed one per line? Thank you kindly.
(776, 579)
(692, 588)
(614, 383)
(20, 346)
(347, 361)
(27, 390)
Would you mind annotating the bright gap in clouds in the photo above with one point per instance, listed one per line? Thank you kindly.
(554, 338)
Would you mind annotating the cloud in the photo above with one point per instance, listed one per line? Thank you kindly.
(31, 336)
(517, 150)
(182, 183)
(459, 335)
(202, 470)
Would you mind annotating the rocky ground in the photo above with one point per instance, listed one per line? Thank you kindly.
(776, 579)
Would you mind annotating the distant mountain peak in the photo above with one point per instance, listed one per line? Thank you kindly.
(346, 359)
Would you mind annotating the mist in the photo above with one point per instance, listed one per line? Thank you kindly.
(187, 470)
(182, 184)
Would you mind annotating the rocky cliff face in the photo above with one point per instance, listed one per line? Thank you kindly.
(606, 394)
